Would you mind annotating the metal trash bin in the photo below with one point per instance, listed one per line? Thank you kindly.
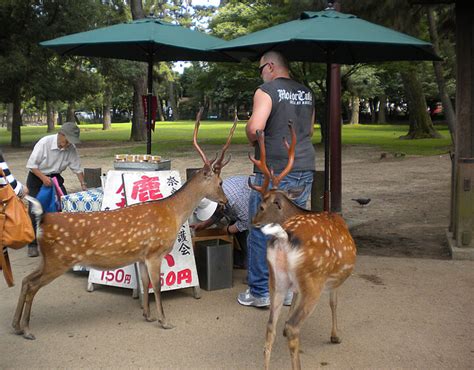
(214, 261)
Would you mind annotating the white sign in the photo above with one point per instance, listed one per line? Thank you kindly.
(123, 188)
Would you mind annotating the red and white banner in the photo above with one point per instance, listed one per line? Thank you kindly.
(126, 188)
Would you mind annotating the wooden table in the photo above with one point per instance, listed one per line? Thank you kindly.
(213, 234)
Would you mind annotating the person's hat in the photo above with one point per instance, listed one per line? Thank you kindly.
(205, 209)
(71, 131)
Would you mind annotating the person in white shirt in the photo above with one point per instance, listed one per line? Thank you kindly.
(51, 155)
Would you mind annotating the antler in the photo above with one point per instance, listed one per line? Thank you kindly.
(219, 165)
(261, 165)
(291, 156)
(196, 145)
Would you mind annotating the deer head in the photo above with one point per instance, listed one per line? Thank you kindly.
(276, 205)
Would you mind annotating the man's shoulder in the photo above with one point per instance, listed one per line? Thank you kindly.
(279, 83)
(46, 139)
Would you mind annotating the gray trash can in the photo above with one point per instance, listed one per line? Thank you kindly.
(214, 261)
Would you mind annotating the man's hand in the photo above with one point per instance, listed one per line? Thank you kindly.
(198, 226)
(47, 181)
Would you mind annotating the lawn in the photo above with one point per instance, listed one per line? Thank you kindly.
(173, 137)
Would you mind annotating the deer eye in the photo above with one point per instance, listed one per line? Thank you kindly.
(261, 208)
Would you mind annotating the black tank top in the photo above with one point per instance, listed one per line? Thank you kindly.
(290, 100)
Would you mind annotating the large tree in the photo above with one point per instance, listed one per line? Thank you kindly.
(23, 25)
(402, 16)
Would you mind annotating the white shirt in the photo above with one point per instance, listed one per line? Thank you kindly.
(49, 159)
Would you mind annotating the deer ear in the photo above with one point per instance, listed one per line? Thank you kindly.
(294, 193)
(277, 203)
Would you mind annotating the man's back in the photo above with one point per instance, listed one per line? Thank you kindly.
(290, 101)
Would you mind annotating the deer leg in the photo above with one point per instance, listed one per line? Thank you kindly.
(34, 282)
(305, 305)
(276, 302)
(146, 299)
(21, 302)
(333, 305)
(154, 268)
(293, 303)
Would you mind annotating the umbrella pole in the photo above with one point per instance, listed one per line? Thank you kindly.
(327, 132)
(335, 137)
(149, 105)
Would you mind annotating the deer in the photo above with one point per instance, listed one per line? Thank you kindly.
(308, 253)
(106, 240)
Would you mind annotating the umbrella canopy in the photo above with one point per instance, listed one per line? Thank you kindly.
(329, 36)
(144, 40)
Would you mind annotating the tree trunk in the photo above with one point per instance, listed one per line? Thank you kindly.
(70, 112)
(138, 132)
(383, 103)
(138, 121)
(49, 116)
(438, 69)
(16, 121)
(355, 101)
(137, 9)
(9, 116)
(161, 113)
(421, 126)
(107, 120)
(172, 97)
(373, 108)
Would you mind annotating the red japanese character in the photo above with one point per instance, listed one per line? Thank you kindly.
(148, 188)
(122, 202)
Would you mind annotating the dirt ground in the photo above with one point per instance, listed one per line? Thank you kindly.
(410, 196)
(409, 312)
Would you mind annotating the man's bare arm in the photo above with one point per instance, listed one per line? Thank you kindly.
(262, 107)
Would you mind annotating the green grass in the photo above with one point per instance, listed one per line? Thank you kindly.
(175, 137)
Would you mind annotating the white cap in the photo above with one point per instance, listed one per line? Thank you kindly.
(205, 209)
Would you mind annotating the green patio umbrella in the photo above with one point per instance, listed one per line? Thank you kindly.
(146, 40)
(330, 37)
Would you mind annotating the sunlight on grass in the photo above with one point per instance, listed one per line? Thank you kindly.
(175, 137)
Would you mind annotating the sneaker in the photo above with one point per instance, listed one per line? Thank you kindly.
(247, 299)
(288, 298)
(33, 251)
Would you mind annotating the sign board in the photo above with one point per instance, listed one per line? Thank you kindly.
(123, 188)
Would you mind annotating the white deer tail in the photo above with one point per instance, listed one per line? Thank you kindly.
(36, 208)
(275, 230)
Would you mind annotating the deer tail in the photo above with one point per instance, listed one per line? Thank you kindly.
(36, 209)
(275, 230)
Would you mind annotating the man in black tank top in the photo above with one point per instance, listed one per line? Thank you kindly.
(276, 101)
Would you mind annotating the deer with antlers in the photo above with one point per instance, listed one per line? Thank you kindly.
(107, 240)
(308, 253)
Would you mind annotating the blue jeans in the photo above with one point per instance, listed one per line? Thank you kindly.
(257, 241)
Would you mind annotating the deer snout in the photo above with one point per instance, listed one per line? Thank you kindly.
(257, 223)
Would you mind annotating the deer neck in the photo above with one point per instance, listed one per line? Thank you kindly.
(291, 209)
(187, 198)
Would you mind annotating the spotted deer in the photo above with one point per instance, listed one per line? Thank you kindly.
(309, 252)
(107, 240)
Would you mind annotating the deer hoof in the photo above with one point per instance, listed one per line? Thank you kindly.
(336, 340)
(150, 318)
(166, 325)
(18, 331)
(29, 336)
